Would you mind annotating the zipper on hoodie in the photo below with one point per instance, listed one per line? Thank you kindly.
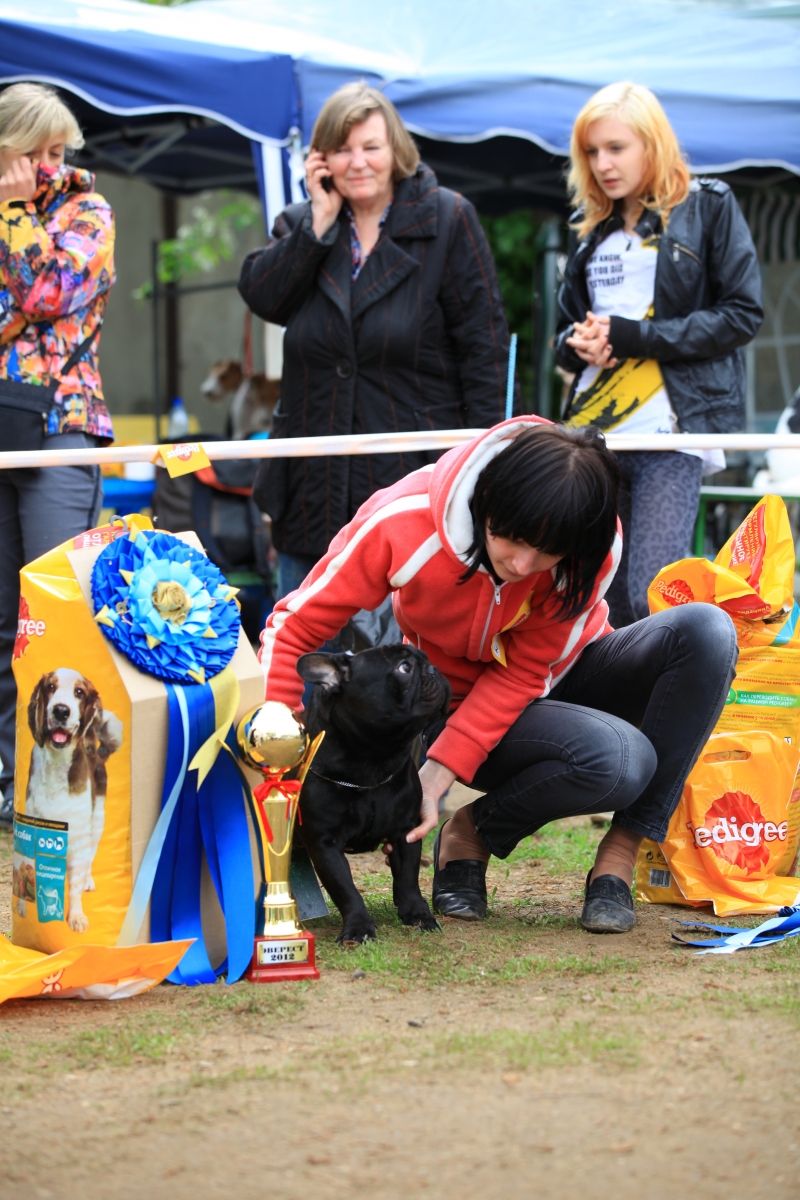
(676, 252)
(497, 587)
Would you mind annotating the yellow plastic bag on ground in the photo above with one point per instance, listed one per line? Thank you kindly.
(85, 972)
(752, 578)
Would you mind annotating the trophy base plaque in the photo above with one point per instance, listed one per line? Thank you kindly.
(284, 956)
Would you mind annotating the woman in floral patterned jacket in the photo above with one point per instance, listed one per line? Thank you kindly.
(56, 268)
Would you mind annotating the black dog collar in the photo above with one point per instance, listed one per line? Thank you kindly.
(359, 787)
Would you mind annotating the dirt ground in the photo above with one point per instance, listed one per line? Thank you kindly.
(522, 1057)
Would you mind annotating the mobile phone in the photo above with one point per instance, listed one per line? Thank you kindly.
(327, 183)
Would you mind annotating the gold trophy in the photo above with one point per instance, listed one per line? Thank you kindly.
(271, 740)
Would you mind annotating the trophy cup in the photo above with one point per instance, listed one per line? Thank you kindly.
(271, 740)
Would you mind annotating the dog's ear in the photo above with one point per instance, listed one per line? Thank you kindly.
(328, 670)
(109, 734)
(36, 711)
(92, 712)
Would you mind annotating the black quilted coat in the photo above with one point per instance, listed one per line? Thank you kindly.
(418, 341)
(707, 306)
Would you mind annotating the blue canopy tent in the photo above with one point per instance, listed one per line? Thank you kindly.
(225, 92)
(490, 90)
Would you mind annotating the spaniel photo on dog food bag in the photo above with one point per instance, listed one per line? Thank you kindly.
(66, 795)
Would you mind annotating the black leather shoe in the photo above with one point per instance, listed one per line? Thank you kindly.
(608, 905)
(7, 811)
(459, 889)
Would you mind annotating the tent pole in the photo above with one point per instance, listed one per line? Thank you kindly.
(548, 312)
(156, 361)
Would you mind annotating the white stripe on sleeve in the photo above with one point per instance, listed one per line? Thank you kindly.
(403, 504)
(417, 561)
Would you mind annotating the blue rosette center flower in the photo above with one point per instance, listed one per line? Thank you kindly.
(165, 606)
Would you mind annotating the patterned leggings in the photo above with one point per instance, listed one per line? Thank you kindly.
(658, 508)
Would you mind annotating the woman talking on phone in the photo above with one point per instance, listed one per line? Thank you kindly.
(661, 292)
(56, 269)
(393, 314)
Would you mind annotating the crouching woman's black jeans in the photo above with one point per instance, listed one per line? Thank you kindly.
(619, 733)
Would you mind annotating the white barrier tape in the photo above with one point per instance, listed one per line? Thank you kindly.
(385, 443)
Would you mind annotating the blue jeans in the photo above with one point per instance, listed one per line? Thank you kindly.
(620, 733)
(292, 570)
(39, 508)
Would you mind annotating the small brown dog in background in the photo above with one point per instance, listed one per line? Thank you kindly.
(254, 400)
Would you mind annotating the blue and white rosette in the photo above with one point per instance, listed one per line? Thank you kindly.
(166, 607)
(169, 609)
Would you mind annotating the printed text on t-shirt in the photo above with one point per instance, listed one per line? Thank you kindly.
(604, 270)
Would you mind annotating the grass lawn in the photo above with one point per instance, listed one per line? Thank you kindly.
(521, 1056)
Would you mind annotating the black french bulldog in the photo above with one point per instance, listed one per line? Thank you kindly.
(363, 788)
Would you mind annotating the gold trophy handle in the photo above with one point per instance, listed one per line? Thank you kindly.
(309, 758)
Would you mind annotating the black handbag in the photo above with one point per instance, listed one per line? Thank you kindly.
(25, 407)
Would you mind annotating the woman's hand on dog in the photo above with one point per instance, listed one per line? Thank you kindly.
(436, 779)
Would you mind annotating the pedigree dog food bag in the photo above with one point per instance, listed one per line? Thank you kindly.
(752, 578)
(91, 752)
(734, 834)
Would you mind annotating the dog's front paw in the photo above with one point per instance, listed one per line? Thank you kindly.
(89, 886)
(359, 929)
(22, 908)
(78, 922)
(420, 919)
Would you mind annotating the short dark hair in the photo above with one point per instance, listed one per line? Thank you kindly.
(556, 489)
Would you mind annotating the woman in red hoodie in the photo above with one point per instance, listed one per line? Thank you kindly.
(498, 558)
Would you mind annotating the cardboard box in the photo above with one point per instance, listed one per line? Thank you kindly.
(56, 593)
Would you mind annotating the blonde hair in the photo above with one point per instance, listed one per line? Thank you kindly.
(351, 105)
(666, 182)
(32, 115)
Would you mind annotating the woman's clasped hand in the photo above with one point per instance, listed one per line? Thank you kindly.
(590, 342)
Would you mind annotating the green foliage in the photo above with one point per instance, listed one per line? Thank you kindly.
(204, 242)
(517, 241)
(514, 241)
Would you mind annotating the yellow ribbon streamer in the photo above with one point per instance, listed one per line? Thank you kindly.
(225, 687)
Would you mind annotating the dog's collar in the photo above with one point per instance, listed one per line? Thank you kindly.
(359, 787)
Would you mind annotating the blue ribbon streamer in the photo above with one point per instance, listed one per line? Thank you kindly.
(512, 366)
(174, 775)
(777, 929)
(212, 818)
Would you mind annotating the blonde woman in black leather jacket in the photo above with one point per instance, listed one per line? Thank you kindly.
(661, 293)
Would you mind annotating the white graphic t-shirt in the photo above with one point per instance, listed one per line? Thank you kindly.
(630, 397)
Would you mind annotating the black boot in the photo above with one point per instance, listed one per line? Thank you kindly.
(459, 889)
(608, 905)
(7, 810)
